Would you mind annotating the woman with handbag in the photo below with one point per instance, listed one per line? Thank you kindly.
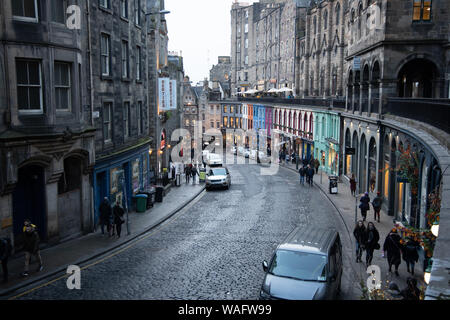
(372, 238)
(118, 213)
(393, 248)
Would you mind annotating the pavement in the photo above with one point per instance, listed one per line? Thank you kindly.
(57, 258)
(345, 203)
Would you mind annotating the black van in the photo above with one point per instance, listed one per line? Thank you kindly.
(307, 266)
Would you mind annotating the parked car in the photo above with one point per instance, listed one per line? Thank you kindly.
(218, 178)
(234, 150)
(214, 159)
(307, 266)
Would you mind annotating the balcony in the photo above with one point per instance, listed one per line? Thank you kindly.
(336, 103)
(435, 112)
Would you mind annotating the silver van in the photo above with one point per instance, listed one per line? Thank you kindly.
(307, 266)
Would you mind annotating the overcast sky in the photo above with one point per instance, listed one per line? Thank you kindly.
(201, 29)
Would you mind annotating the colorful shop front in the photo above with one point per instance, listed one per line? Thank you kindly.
(326, 140)
(121, 175)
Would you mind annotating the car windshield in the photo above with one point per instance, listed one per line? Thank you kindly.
(218, 172)
(299, 265)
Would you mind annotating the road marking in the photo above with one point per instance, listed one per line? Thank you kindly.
(134, 242)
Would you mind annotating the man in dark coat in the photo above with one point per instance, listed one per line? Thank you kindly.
(411, 255)
(371, 241)
(353, 185)
(364, 205)
(194, 173)
(376, 203)
(5, 252)
(392, 248)
(302, 172)
(310, 175)
(105, 215)
(360, 236)
(118, 213)
(31, 247)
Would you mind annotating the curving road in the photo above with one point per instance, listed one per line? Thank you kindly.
(212, 249)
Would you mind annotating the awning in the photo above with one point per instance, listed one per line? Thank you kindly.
(273, 90)
(285, 89)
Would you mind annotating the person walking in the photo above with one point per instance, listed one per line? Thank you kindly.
(302, 172)
(359, 232)
(194, 174)
(31, 247)
(392, 249)
(376, 203)
(410, 254)
(353, 185)
(371, 242)
(105, 215)
(316, 165)
(411, 292)
(364, 205)
(310, 175)
(287, 158)
(118, 213)
(5, 253)
(187, 172)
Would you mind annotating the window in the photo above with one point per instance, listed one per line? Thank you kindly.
(325, 20)
(107, 124)
(225, 109)
(29, 86)
(218, 124)
(59, 8)
(137, 12)
(212, 124)
(246, 59)
(62, 86)
(125, 59)
(338, 13)
(225, 122)
(203, 116)
(139, 117)
(124, 9)
(105, 4)
(218, 109)
(422, 10)
(231, 122)
(25, 10)
(138, 63)
(187, 122)
(126, 119)
(193, 122)
(231, 109)
(105, 54)
(246, 28)
(246, 43)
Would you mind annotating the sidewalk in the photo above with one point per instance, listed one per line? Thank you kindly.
(345, 203)
(77, 251)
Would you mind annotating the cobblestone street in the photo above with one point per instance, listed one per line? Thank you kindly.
(213, 249)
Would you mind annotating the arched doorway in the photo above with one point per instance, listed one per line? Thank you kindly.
(69, 198)
(375, 84)
(365, 89)
(416, 79)
(363, 165)
(372, 165)
(357, 90)
(29, 201)
(350, 91)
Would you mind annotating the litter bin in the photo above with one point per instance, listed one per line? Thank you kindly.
(150, 193)
(333, 184)
(159, 194)
(202, 175)
(141, 202)
(178, 179)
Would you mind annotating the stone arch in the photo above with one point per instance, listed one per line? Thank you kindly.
(363, 164)
(365, 88)
(355, 144)
(417, 78)
(372, 165)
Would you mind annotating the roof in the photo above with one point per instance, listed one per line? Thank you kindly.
(197, 91)
(309, 239)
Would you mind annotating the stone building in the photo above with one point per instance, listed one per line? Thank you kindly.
(190, 109)
(220, 74)
(47, 139)
(120, 99)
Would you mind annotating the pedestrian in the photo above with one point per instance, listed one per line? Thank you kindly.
(187, 172)
(353, 185)
(364, 205)
(371, 242)
(316, 165)
(411, 292)
(302, 172)
(31, 247)
(392, 249)
(194, 174)
(118, 213)
(287, 158)
(105, 214)
(410, 254)
(5, 253)
(305, 162)
(310, 175)
(360, 233)
(376, 203)
(173, 170)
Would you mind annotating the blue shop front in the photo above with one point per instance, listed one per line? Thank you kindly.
(120, 176)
